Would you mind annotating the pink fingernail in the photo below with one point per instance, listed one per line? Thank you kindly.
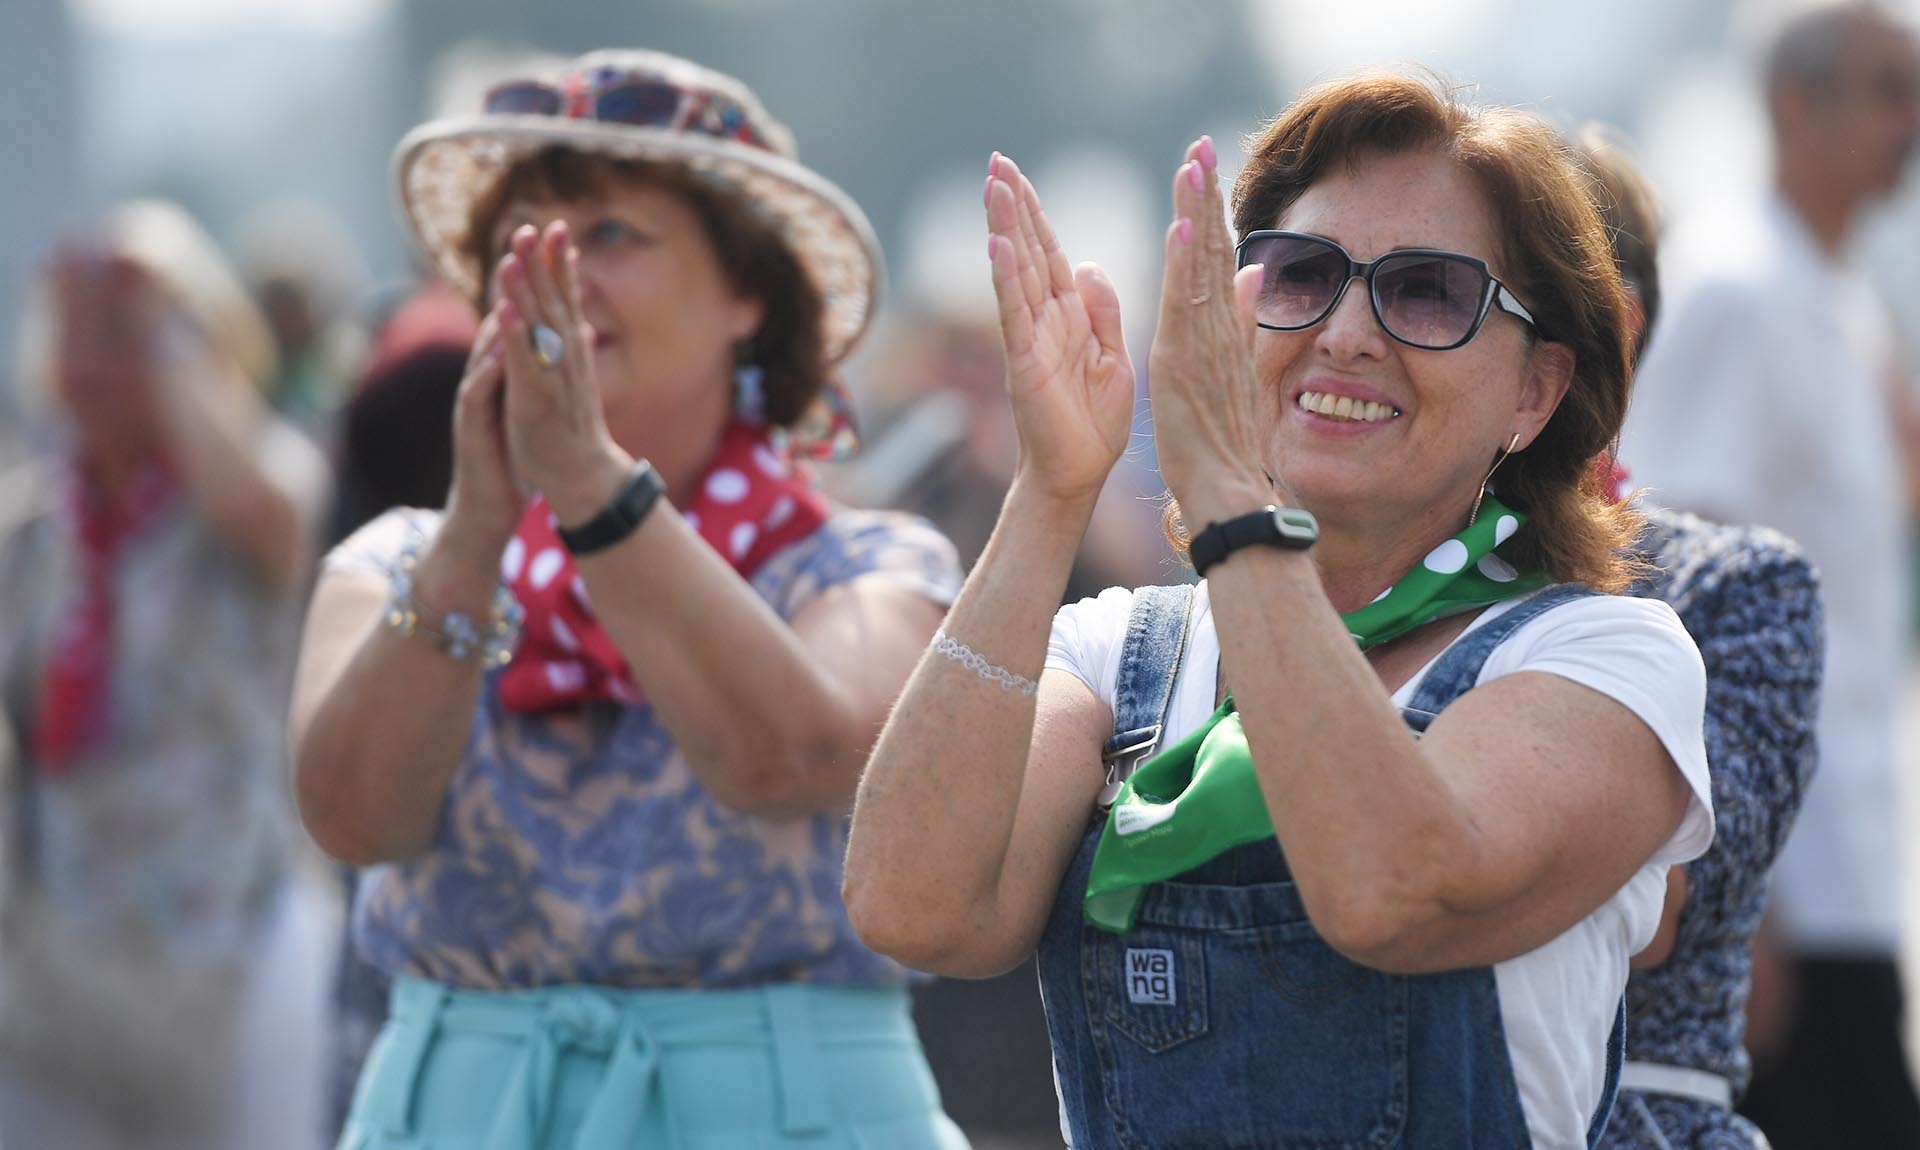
(1207, 156)
(986, 196)
(1184, 229)
(993, 166)
(509, 313)
(1194, 179)
(993, 246)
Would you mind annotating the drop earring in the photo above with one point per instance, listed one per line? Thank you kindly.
(750, 394)
(1505, 452)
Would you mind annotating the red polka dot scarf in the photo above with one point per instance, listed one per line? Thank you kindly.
(71, 707)
(752, 503)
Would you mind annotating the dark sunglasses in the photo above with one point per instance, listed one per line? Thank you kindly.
(637, 103)
(1432, 300)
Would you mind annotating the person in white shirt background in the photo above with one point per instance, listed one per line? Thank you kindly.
(1770, 395)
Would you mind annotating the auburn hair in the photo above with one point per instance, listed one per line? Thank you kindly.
(1554, 255)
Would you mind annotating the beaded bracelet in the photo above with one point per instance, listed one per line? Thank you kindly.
(972, 660)
(458, 635)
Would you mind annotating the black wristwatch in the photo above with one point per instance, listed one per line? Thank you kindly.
(621, 517)
(1288, 527)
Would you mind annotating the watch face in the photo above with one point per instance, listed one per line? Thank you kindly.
(1295, 524)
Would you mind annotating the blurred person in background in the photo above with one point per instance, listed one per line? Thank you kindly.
(1769, 395)
(1415, 809)
(151, 945)
(1750, 600)
(605, 875)
(306, 273)
(394, 449)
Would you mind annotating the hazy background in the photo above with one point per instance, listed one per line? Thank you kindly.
(228, 104)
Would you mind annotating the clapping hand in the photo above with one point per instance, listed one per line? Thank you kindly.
(1206, 410)
(1068, 375)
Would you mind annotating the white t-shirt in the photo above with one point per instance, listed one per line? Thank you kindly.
(1558, 1002)
(1764, 399)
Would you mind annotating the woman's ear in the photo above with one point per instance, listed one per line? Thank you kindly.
(1549, 374)
(743, 322)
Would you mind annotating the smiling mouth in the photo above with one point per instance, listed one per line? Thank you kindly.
(1344, 408)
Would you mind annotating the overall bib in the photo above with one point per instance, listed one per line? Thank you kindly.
(1222, 1020)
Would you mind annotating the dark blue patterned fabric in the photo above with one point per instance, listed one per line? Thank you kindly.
(579, 847)
(1752, 603)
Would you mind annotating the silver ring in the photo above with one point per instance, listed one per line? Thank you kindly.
(548, 347)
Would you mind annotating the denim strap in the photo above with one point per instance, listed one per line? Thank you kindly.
(1150, 660)
(1458, 669)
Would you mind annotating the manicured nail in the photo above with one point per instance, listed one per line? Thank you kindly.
(993, 166)
(986, 195)
(1184, 230)
(993, 246)
(1195, 180)
(1207, 156)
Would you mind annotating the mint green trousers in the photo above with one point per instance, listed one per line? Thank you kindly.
(789, 1067)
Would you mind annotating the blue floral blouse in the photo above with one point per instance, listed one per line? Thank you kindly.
(579, 847)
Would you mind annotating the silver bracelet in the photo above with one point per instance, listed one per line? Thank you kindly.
(457, 633)
(972, 660)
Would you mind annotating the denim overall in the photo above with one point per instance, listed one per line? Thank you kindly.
(1222, 1020)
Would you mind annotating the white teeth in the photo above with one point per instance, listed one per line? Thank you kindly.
(1346, 407)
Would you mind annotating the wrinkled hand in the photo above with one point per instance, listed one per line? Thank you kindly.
(1068, 375)
(556, 432)
(1200, 376)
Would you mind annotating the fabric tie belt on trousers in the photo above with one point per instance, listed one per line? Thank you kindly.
(629, 1028)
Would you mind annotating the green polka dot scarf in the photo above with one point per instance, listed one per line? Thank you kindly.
(1199, 798)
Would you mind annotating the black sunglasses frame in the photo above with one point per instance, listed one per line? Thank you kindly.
(1494, 294)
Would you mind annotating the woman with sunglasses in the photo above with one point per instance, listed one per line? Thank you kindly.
(593, 730)
(1420, 768)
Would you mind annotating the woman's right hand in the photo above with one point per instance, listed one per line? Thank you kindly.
(485, 504)
(1068, 374)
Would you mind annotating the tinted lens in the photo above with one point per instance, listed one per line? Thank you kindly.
(523, 98)
(1429, 301)
(643, 104)
(1302, 280)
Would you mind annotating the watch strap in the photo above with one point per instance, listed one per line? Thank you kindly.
(621, 516)
(1291, 528)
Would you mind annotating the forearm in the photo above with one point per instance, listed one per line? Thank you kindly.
(376, 753)
(1370, 827)
(768, 723)
(936, 808)
(219, 450)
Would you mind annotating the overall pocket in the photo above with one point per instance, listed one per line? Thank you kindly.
(1223, 1020)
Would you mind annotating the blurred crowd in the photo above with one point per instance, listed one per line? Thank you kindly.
(202, 422)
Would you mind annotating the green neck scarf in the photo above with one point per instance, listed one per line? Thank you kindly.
(1199, 798)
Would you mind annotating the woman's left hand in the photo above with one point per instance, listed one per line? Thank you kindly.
(557, 433)
(1206, 414)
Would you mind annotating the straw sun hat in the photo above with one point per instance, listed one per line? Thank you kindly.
(641, 105)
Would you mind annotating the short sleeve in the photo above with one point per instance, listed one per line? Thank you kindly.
(1087, 637)
(1637, 653)
(377, 545)
(904, 551)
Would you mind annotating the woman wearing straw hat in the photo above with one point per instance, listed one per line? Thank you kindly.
(594, 729)
(150, 584)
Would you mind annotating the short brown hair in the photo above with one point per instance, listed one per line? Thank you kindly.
(788, 346)
(1554, 255)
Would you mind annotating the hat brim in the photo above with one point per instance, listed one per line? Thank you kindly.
(442, 169)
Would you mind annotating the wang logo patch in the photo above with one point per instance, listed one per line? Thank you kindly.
(1149, 975)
